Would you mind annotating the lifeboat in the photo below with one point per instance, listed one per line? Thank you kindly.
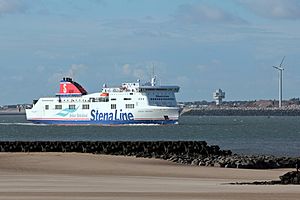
(104, 94)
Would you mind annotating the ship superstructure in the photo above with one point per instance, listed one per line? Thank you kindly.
(130, 103)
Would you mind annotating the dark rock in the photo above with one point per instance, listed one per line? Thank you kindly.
(290, 178)
(195, 162)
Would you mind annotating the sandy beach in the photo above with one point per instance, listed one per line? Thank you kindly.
(88, 176)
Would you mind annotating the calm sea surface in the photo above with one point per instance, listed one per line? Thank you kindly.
(246, 135)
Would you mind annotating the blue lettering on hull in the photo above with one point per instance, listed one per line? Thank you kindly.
(112, 116)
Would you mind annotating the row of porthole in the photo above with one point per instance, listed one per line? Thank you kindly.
(71, 107)
(162, 99)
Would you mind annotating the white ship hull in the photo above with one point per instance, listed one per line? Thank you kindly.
(117, 117)
(130, 104)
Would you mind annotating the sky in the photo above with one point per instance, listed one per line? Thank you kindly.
(199, 45)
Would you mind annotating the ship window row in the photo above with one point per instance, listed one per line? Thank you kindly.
(126, 99)
(162, 99)
(140, 99)
(74, 100)
(121, 93)
(113, 99)
(71, 107)
(158, 89)
(99, 99)
(119, 90)
(129, 106)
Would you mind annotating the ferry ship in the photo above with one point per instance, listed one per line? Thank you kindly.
(130, 103)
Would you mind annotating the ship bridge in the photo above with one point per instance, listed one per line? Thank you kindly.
(160, 95)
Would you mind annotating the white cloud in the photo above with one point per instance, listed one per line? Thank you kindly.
(72, 72)
(135, 70)
(139, 73)
(143, 71)
(214, 63)
(47, 54)
(12, 6)
(274, 9)
(200, 13)
(126, 69)
(75, 69)
(201, 67)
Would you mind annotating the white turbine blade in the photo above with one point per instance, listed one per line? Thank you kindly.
(282, 61)
(279, 68)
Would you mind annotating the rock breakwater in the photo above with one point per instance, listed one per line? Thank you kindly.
(238, 161)
(196, 153)
(164, 149)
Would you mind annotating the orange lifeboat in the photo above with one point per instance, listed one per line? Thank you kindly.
(104, 94)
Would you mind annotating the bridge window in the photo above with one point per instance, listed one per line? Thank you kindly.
(46, 107)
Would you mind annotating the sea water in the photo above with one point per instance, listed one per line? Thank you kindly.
(278, 136)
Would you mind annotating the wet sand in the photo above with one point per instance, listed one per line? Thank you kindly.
(86, 176)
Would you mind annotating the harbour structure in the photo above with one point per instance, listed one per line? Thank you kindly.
(218, 95)
(130, 103)
(280, 70)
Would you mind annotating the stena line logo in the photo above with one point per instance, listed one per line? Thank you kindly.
(117, 115)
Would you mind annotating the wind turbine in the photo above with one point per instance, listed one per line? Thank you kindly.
(280, 70)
